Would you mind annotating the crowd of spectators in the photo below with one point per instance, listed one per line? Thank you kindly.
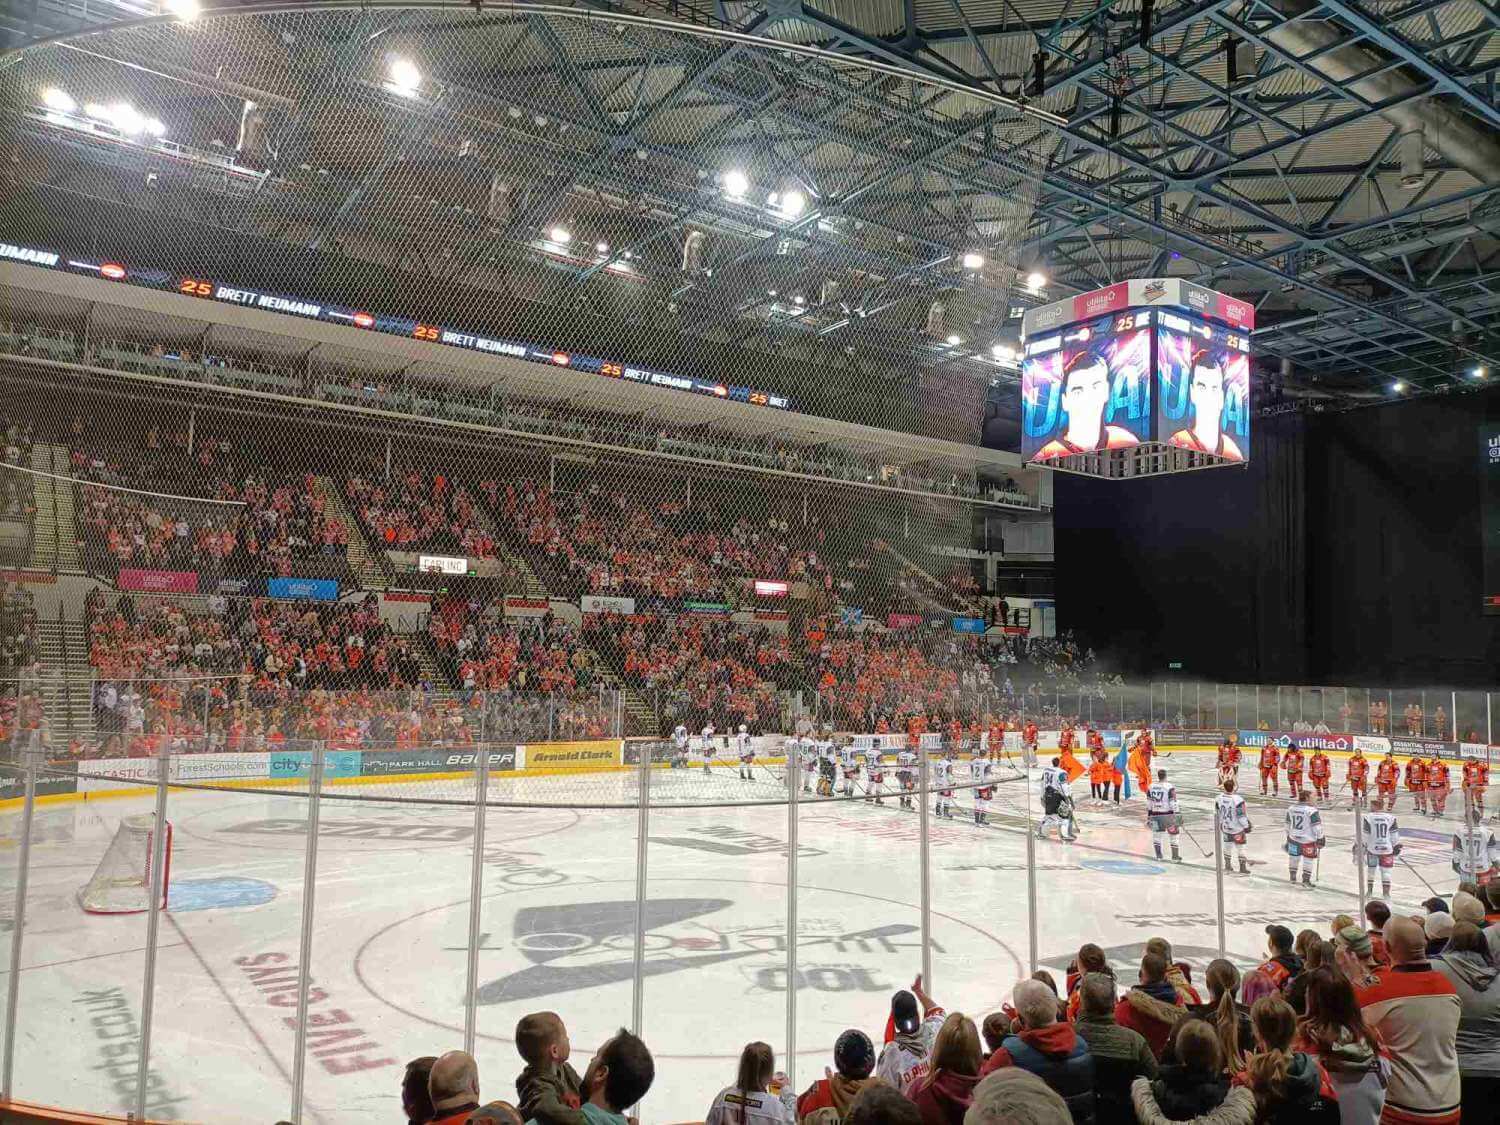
(18, 646)
(481, 649)
(418, 511)
(697, 668)
(1358, 1025)
(232, 516)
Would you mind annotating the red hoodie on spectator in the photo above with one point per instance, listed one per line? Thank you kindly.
(943, 1098)
(1153, 1010)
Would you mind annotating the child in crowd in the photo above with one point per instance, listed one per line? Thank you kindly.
(548, 1089)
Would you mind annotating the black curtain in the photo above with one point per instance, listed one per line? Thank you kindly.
(1347, 551)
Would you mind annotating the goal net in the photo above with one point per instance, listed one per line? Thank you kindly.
(122, 881)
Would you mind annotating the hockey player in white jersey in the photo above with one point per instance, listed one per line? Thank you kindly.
(1057, 803)
(906, 775)
(1304, 837)
(874, 774)
(710, 748)
(981, 769)
(746, 755)
(1476, 854)
(848, 768)
(1380, 839)
(942, 779)
(1234, 826)
(1163, 816)
(679, 747)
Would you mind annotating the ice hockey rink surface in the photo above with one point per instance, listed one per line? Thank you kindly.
(558, 922)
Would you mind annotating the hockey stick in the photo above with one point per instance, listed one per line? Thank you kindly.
(1194, 839)
(1418, 874)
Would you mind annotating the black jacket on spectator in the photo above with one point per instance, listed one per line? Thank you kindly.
(1184, 1093)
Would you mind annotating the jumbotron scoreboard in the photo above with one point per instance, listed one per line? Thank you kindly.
(1144, 377)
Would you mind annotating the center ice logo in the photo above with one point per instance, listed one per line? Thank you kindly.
(580, 945)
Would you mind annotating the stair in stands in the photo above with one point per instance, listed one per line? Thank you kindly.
(66, 689)
(366, 560)
(531, 585)
(940, 596)
(54, 539)
(426, 653)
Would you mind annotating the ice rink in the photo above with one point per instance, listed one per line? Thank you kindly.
(559, 920)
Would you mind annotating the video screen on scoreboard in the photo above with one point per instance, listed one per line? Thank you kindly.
(1087, 387)
(1203, 386)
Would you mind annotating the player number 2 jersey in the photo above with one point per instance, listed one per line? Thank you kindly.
(1381, 835)
(942, 772)
(981, 769)
(873, 760)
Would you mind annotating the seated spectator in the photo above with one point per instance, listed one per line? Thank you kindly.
(1012, 1096)
(879, 1104)
(996, 1026)
(854, 1064)
(1377, 914)
(617, 1077)
(1049, 1049)
(1283, 963)
(911, 1035)
(1335, 1034)
(747, 1101)
(1467, 966)
(1438, 928)
(1288, 1085)
(1355, 957)
(416, 1103)
(1152, 1006)
(1120, 1054)
(1195, 1088)
(1415, 1011)
(1230, 1019)
(942, 1096)
(1317, 954)
(1090, 959)
(548, 1089)
(1177, 972)
(1469, 907)
(453, 1087)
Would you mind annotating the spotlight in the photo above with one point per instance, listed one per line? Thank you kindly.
(601, 247)
(185, 10)
(1398, 387)
(403, 77)
(1413, 159)
(1036, 281)
(560, 235)
(125, 118)
(58, 100)
(735, 183)
(1004, 353)
(954, 339)
(1114, 118)
(973, 260)
(1480, 372)
(793, 203)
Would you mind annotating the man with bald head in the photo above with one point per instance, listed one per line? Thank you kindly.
(453, 1087)
(1415, 1010)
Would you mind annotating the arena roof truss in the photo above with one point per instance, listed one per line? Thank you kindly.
(1345, 177)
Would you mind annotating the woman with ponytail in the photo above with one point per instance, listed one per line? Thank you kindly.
(1290, 1087)
(747, 1101)
(1231, 1019)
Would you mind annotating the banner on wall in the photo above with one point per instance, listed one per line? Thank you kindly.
(902, 620)
(1426, 747)
(600, 603)
(118, 773)
(57, 777)
(430, 760)
(158, 581)
(525, 607)
(974, 625)
(1305, 740)
(303, 589)
(604, 752)
(287, 765)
